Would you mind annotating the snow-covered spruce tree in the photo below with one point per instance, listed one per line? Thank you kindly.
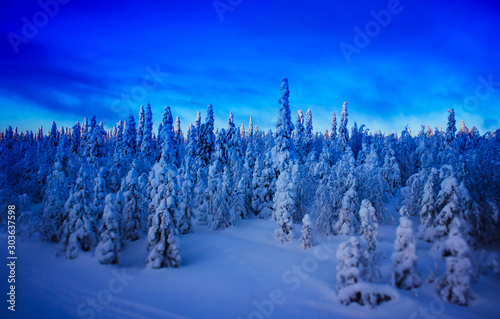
(306, 238)
(179, 142)
(241, 199)
(413, 192)
(369, 235)
(343, 137)
(95, 144)
(347, 222)
(147, 145)
(326, 204)
(333, 132)
(140, 128)
(283, 152)
(134, 207)
(233, 147)
(164, 172)
(404, 257)
(350, 285)
(454, 286)
(75, 138)
(56, 194)
(214, 179)
(372, 187)
(100, 191)
(428, 210)
(223, 214)
(369, 226)
(284, 203)
(80, 225)
(186, 209)
(299, 136)
(53, 137)
(304, 189)
(130, 138)
(120, 165)
(448, 203)
(451, 128)
(391, 172)
(164, 249)
(349, 268)
(109, 247)
(199, 193)
(263, 184)
(206, 140)
(309, 134)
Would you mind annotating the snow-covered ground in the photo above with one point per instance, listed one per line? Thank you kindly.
(240, 272)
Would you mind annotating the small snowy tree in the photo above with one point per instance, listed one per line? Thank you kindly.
(164, 249)
(448, 202)
(343, 135)
(428, 210)
(284, 202)
(186, 198)
(349, 269)
(131, 227)
(223, 214)
(306, 238)
(369, 234)
(56, 194)
(263, 184)
(109, 248)
(346, 224)
(404, 257)
(350, 286)
(368, 228)
(100, 191)
(454, 286)
(80, 226)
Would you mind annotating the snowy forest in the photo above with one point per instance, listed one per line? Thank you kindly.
(88, 190)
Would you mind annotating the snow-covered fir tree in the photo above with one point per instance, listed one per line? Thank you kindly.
(343, 135)
(263, 184)
(350, 285)
(454, 286)
(306, 238)
(56, 194)
(223, 213)
(134, 207)
(369, 226)
(284, 203)
(109, 247)
(404, 257)
(447, 203)
(100, 190)
(428, 210)
(163, 244)
(347, 222)
(186, 205)
(283, 151)
(80, 223)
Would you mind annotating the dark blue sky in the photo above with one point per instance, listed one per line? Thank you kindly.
(89, 57)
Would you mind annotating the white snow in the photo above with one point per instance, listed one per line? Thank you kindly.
(234, 273)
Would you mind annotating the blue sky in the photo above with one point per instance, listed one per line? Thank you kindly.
(93, 58)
